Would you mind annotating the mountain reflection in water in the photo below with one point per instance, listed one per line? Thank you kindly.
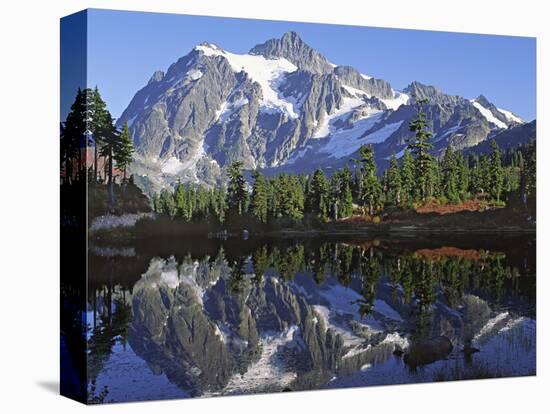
(184, 319)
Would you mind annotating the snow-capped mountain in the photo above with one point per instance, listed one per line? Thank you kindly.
(283, 106)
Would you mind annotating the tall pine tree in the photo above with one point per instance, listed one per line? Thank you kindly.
(124, 152)
(496, 175)
(420, 146)
(260, 198)
(370, 191)
(236, 189)
(407, 176)
(394, 182)
(319, 194)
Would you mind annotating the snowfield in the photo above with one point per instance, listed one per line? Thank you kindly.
(326, 127)
(399, 98)
(510, 116)
(346, 141)
(489, 115)
(266, 72)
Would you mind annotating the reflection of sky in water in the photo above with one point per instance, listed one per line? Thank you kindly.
(210, 326)
(508, 351)
(128, 377)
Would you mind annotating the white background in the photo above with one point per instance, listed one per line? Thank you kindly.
(29, 252)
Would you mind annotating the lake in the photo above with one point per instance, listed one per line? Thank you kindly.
(174, 318)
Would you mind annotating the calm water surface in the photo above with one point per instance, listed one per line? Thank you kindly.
(173, 319)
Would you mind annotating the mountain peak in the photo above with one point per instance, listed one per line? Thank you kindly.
(483, 101)
(157, 76)
(291, 36)
(421, 90)
(208, 48)
(291, 47)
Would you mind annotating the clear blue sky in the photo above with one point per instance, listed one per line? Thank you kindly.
(125, 48)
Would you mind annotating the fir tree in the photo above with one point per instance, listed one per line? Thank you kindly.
(319, 193)
(99, 122)
(111, 144)
(260, 198)
(182, 202)
(420, 146)
(394, 182)
(370, 192)
(124, 152)
(529, 171)
(495, 172)
(166, 203)
(449, 173)
(462, 175)
(407, 176)
(236, 189)
(291, 197)
(74, 131)
(345, 196)
(347, 201)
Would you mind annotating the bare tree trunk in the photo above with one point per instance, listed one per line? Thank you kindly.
(110, 172)
(95, 163)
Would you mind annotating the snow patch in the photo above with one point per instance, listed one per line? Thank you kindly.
(488, 115)
(344, 142)
(448, 132)
(324, 129)
(383, 308)
(510, 116)
(490, 325)
(228, 108)
(358, 93)
(172, 166)
(268, 371)
(266, 72)
(194, 74)
(399, 98)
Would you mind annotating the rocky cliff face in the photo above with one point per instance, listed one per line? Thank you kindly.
(283, 106)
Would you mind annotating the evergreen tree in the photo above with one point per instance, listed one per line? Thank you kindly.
(371, 191)
(394, 182)
(449, 173)
(425, 171)
(99, 122)
(182, 202)
(335, 191)
(485, 176)
(347, 201)
(260, 198)
(529, 171)
(111, 145)
(291, 197)
(407, 176)
(495, 172)
(319, 194)
(462, 175)
(166, 203)
(73, 133)
(124, 152)
(236, 189)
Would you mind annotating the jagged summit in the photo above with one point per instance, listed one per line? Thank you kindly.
(156, 77)
(483, 100)
(291, 46)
